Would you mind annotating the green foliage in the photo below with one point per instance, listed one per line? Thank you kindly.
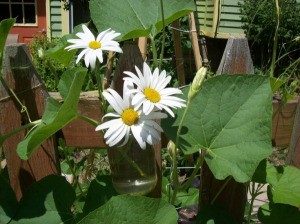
(8, 200)
(234, 144)
(5, 26)
(56, 116)
(46, 201)
(139, 22)
(260, 28)
(50, 70)
(283, 193)
(271, 213)
(261, 25)
(132, 209)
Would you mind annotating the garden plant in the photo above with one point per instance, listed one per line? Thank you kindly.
(223, 121)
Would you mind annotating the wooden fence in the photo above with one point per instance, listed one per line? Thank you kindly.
(24, 80)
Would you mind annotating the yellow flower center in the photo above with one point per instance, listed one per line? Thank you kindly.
(129, 116)
(152, 95)
(94, 44)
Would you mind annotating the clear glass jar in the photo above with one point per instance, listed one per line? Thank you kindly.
(133, 169)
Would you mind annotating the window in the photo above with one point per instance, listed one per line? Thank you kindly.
(23, 10)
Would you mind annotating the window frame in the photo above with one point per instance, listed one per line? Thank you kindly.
(22, 3)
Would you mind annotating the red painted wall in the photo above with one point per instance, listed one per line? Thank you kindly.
(26, 33)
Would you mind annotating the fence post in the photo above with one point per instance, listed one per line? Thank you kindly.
(293, 157)
(236, 60)
(22, 77)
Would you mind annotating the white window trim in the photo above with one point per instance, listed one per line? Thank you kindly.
(23, 3)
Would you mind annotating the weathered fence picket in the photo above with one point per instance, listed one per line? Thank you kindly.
(22, 77)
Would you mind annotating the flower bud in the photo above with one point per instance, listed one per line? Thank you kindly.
(41, 53)
(197, 82)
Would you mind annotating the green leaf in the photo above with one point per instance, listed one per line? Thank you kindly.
(47, 201)
(213, 214)
(285, 185)
(185, 199)
(55, 116)
(231, 118)
(5, 26)
(260, 174)
(276, 83)
(130, 18)
(133, 209)
(59, 53)
(271, 213)
(8, 201)
(65, 82)
(100, 191)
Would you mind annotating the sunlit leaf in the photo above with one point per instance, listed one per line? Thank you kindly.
(134, 18)
(231, 118)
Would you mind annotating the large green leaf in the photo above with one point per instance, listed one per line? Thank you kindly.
(136, 18)
(271, 213)
(5, 26)
(47, 201)
(55, 116)
(285, 185)
(231, 118)
(100, 191)
(133, 209)
(8, 200)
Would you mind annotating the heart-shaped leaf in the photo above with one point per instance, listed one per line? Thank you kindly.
(47, 201)
(134, 18)
(285, 185)
(230, 118)
(271, 213)
(8, 201)
(133, 209)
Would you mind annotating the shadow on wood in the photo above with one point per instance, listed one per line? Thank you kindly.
(22, 77)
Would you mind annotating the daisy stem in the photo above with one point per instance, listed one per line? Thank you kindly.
(154, 51)
(163, 34)
(133, 163)
(100, 90)
(174, 153)
(88, 119)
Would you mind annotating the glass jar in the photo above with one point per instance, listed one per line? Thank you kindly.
(133, 169)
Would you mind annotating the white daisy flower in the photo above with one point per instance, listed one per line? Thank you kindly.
(151, 90)
(126, 121)
(93, 48)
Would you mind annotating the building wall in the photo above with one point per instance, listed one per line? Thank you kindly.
(57, 19)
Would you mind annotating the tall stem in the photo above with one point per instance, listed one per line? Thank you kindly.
(163, 34)
(174, 154)
(251, 203)
(199, 164)
(274, 52)
(154, 51)
(220, 190)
